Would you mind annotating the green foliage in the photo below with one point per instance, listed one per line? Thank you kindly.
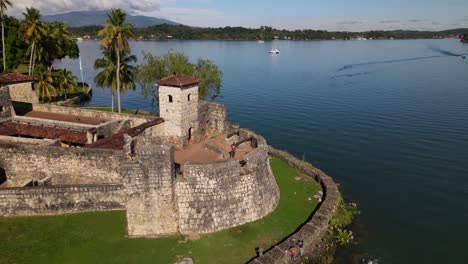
(44, 85)
(56, 45)
(106, 78)
(15, 44)
(344, 237)
(116, 34)
(99, 237)
(65, 82)
(342, 218)
(157, 67)
(166, 31)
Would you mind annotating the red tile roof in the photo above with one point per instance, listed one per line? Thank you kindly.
(9, 78)
(117, 141)
(11, 129)
(178, 80)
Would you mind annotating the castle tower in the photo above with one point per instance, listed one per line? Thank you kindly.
(178, 105)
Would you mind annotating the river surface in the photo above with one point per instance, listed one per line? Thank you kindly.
(388, 120)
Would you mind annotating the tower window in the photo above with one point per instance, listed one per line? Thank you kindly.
(188, 97)
(170, 98)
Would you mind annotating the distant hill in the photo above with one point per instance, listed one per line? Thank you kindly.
(91, 18)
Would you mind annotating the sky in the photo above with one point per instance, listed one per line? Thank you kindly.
(342, 15)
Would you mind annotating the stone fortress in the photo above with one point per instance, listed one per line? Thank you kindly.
(187, 171)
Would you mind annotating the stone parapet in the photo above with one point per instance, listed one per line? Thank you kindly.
(316, 228)
(213, 196)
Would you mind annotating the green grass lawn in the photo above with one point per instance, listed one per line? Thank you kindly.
(109, 109)
(100, 237)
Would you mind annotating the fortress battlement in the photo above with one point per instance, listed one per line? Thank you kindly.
(188, 170)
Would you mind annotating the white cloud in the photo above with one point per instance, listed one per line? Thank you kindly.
(60, 6)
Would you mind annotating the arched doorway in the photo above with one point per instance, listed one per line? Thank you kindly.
(190, 131)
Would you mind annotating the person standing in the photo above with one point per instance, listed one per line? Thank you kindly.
(300, 244)
(292, 253)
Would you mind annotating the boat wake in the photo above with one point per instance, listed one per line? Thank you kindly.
(350, 66)
(443, 53)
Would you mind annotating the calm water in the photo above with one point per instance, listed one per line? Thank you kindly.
(387, 119)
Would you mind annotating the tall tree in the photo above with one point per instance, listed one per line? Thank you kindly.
(57, 45)
(116, 34)
(65, 82)
(157, 67)
(44, 85)
(15, 45)
(33, 30)
(106, 78)
(3, 7)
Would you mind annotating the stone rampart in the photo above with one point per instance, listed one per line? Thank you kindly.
(60, 199)
(218, 195)
(149, 175)
(211, 117)
(23, 163)
(316, 228)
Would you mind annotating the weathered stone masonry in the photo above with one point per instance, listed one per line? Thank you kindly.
(314, 230)
(46, 200)
(129, 163)
(60, 165)
(220, 195)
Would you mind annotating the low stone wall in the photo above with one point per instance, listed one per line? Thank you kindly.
(52, 123)
(60, 199)
(23, 163)
(314, 230)
(30, 141)
(23, 92)
(135, 119)
(219, 195)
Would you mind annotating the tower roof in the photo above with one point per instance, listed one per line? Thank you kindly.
(178, 80)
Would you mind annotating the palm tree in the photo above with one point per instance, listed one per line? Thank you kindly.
(44, 85)
(3, 7)
(106, 78)
(116, 34)
(33, 30)
(65, 81)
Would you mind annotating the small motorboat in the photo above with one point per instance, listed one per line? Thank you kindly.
(274, 51)
(260, 41)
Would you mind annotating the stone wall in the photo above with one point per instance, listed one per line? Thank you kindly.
(211, 117)
(149, 174)
(60, 199)
(5, 104)
(52, 123)
(23, 163)
(316, 228)
(219, 195)
(134, 119)
(23, 92)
